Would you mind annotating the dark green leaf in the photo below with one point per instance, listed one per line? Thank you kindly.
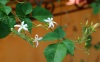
(55, 52)
(88, 42)
(96, 6)
(40, 14)
(3, 1)
(61, 33)
(2, 14)
(27, 8)
(29, 23)
(97, 46)
(69, 45)
(6, 9)
(4, 29)
(50, 36)
(19, 12)
(6, 24)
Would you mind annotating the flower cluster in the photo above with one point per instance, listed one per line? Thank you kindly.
(24, 26)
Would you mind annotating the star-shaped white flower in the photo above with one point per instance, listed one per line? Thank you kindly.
(36, 39)
(51, 22)
(22, 26)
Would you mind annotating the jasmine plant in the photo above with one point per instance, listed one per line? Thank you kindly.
(24, 14)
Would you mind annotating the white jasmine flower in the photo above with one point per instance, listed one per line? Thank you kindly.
(37, 39)
(22, 26)
(51, 22)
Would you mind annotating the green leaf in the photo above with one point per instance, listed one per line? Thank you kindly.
(40, 13)
(29, 23)
(6, 24)
(96, 6)
(88, 42)
(97, 46)
(2, 14)
(58, 33)
(96, 10)
(3, 1)
(69, 45)
(6, 9)
(19, 12)
(50, 36)
(61, 33)
(4, 29)
(55, 52)
(27, 8)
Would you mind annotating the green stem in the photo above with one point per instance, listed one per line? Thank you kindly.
(28, 39)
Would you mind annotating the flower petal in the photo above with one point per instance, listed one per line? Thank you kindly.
(36, 36)
(17, 25)
(54, 22)
(71, 2)
(46, 20)
(19, 29)
(25, 25)
(50, 24)
(40, 38)
(37, 43)
(77, 1)
(25, 28)
(51, 19)
(22, 23)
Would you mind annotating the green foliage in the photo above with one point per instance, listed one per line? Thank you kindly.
(96, 6)
(19, 11)
(3, 1)
(4, 29)
(27, 8)
(2, 14)
(23, 9)
(97, 46)
(55, 52)
(88, 42)
(58, 33)
(6, 9)
(40, 13)
(69, 45)
(50, 36)
(6, 23)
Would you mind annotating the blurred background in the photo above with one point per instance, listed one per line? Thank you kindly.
(15, 49)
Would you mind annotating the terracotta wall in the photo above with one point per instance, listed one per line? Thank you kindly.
(15, 49)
